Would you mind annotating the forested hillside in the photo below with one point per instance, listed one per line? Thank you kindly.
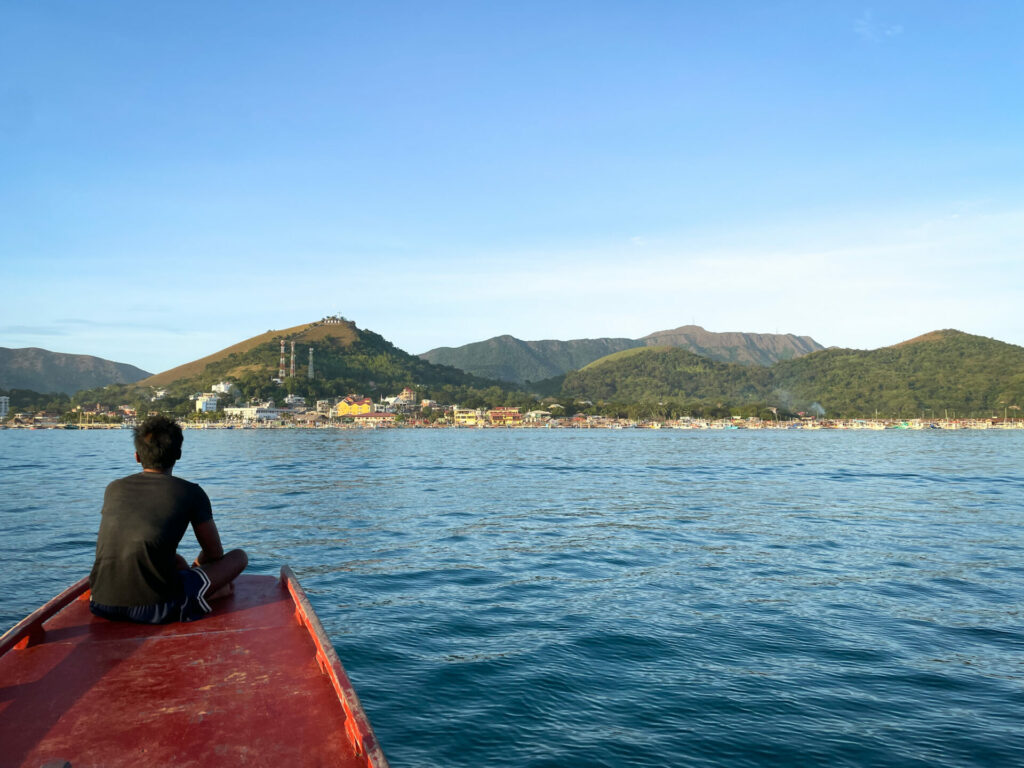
(658, 372)
(507, 358)
(514, 360)
(940, 372)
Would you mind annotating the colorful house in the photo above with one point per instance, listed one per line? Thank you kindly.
(466, 417)
(406, 396)
(353, 405)
(374, 419)
(505, 417)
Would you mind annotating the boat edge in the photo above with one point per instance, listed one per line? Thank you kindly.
(29, 631)
(357, 725)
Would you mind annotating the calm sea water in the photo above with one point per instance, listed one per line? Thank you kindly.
(594, 598)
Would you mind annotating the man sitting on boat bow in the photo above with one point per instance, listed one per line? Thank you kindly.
(138, 574)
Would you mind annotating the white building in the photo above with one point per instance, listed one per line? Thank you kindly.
(223, 387)
(206, 403)
(294, 400)
(262, 412)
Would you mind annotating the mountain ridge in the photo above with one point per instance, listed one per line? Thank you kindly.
(41, 370)
(945, 370)
(517, 361)
(321, 330)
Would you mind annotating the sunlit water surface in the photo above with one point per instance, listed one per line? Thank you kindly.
(595, 598)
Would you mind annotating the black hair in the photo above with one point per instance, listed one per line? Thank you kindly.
(158, 442)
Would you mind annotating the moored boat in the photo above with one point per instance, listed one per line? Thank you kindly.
(256, 682)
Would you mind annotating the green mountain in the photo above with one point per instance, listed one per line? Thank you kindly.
(43, 371)
(510, 359)
(729, 347)
(346, 359)
(507, 358)
(941, 371)
(656, 373)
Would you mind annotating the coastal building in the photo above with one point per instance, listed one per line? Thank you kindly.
(324, 406)
(46, 419)
(406, 397)
(352, 405)
(505, 417)
(206, 403)
(259, 412)
(467, 417)
(374, 419)
(294, 400)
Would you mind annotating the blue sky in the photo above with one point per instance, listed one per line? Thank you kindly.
(175, 177)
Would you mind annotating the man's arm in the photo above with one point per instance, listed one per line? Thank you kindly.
(209, 539)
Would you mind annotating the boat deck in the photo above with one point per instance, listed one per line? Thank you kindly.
(254, 683)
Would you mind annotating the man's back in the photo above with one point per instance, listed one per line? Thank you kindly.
(144, 518)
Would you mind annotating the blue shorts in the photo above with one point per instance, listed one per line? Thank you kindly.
(190, 607)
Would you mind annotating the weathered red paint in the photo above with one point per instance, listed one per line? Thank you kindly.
(257, 683)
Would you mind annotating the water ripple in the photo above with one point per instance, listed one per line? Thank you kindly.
(613, 598)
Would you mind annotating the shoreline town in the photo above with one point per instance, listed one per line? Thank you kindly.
(404, 411)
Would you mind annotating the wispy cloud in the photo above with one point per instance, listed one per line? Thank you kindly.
(79, 322)
(33, 330)
(875, 30)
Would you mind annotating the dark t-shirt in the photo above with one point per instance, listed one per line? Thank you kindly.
(144, 518)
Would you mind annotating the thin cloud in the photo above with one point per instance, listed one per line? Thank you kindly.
(874, 30)
(118, 325)
(33, 330)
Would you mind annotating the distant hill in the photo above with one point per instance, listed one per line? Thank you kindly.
(43, 371)
(755, 348)
(510, 359)
(344, 333)
(667, 372)
(507, 358)
(345, 359)
(940, 371)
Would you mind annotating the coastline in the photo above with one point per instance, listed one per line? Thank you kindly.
(877, 425)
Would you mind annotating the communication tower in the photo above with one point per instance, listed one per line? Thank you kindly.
(293, 361)
(280, 370)
(309, 373)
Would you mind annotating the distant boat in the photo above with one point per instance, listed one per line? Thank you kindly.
(255, 683)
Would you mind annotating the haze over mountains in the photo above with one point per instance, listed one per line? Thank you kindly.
(43, 371)
(510, 359)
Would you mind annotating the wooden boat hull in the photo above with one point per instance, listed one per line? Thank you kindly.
(254, 683)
